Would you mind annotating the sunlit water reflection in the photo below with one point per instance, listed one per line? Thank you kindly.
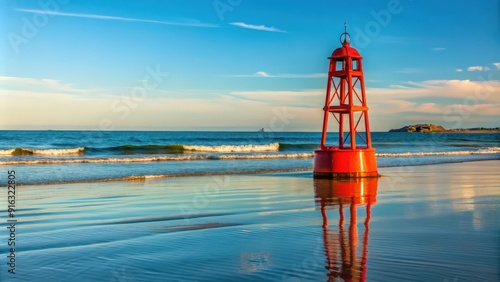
(427, 223)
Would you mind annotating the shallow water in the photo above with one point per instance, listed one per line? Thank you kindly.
(425, 223)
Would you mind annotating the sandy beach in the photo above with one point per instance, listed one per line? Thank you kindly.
(416, 223)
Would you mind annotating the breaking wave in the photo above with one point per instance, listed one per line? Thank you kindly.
(138, 149)
(41, 152)
(492, 150)
(234, 148)
(158, 159)
(179, 152)
(149, 149)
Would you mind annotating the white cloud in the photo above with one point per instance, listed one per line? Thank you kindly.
(465, 111)
(451, 103)
(189, 22)
(40, 85)
(262, 74)
(397, 86)
(389, 106)
(257, 27)
(457, 89)
(45, 110)
(438, 49)
(26, 80)
(478, 68)
(468, 100)
(459, 70)
(497, 65)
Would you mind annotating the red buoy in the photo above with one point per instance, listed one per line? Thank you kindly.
(352, 156)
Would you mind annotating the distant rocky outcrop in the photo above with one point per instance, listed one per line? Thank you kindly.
(427, 128)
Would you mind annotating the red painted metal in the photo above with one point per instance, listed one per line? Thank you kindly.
(353, 155)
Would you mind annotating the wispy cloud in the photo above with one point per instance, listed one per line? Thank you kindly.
(455, 89)
(262, 74)
(497, 65)
(404, 107)
(478, 68)
(459, 70)
(389, 106)
(431, 98)
(308, 98)
(257, 27)
(397, 86)
(438, 49)
(189, 22)
(41, 84)
(285, 75)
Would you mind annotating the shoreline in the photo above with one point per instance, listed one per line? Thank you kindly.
(144, 178)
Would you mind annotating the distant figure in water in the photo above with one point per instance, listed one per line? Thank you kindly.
(261, 130)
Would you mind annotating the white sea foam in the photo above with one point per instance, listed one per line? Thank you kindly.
(267, 156)
(42, 152)
(7, 152)
(273, 147)
(59, 152)
(156, 159)
(492, 150)
(144, 177)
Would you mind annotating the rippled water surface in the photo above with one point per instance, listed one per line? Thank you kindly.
(424, 223)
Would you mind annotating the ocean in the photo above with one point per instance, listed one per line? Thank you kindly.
(246, 208)
(45, 157)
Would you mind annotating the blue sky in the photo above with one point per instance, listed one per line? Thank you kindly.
(242, 64)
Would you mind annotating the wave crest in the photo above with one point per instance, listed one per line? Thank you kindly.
(492, 150)
(157, 159)
(42, 152)
(273, 147)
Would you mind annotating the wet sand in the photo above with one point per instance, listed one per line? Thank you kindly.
(420, 223)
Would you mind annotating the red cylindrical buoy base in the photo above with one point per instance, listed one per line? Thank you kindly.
(345, 163)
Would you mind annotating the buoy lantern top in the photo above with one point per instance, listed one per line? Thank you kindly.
(346, 50)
